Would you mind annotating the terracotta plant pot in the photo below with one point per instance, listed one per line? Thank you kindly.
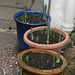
(33, 71)
(53, 47)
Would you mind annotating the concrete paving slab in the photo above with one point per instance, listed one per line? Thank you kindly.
(7, 13)
(7, 8)
(16, 3)
(7, 40)
(38, 5)
(7, 24)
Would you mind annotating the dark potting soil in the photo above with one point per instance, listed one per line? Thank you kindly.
(33, 19)
(41, 61)
(54, 37)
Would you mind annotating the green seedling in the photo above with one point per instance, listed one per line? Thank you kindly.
(37, 39)
(59, 37)
(32, 34)
(58, 56)
(46, 25)
(44, 11)
(25, 12)
(48, 31)
(49, 6)
(27, 58)
(53, 61)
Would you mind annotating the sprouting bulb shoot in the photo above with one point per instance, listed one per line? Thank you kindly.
(25, 12)
(48, 31)
(53, 61)
(59, 37)
(44, 11)
(58, 56)
(27, 58)
(37, 39)
(32, 34)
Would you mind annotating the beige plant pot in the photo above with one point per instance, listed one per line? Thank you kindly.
(53, 47)
(28, 70)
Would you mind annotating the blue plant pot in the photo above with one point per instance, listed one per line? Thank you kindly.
(23, 27)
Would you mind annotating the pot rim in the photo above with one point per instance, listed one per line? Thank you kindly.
(38, 71)
(45, 46)
(16, 15)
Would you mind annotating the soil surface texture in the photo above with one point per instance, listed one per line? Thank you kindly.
(42, 37)
(33, 19)
(41, 61)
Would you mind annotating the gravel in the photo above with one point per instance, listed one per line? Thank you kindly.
(8, 54)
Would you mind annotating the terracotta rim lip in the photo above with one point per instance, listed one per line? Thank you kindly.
(45, 46)
(38, 71)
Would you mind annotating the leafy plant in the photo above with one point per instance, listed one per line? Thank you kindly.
(67, 71)
(32, 34)
(73, 37)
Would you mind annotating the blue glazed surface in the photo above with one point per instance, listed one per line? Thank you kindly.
(23, 27)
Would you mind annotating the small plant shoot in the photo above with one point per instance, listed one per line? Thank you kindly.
(25, 12)
(32, 34)
(44, 11)
(59, 37)
(46, 25)
(48, 31)
(58, 56)
(37, 39)
(27, 58)
(49, 4)
(53, 61)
